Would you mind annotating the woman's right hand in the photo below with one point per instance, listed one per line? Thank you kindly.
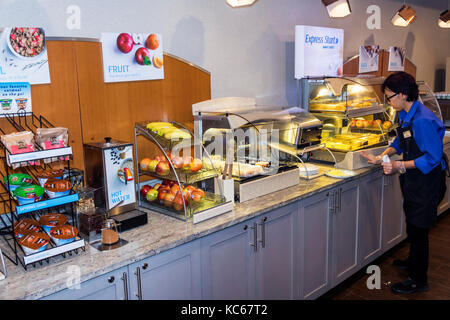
(371, 158)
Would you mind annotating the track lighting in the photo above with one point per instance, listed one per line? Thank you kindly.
(337, 8)
(444, 19)
(404, 16)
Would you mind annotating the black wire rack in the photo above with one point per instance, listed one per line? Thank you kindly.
(11, 211)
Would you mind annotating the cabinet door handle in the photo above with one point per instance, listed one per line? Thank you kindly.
(138, 274)
(145, 266)
(111, 279)
(263, 232)
(125, 285)
(331, 198)
(255, 237)
(339, 200)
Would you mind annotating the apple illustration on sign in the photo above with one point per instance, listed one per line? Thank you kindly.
(143, 56)
(125, 42)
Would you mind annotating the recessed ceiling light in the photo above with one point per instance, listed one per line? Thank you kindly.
(444, 19)
(240, 3)
(337, 8)
(404, 16)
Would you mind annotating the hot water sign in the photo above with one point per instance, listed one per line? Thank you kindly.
(132, 56)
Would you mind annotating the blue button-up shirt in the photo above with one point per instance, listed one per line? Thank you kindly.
(428, 131)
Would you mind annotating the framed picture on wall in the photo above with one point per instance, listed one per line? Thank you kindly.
(369, 58)
(132, 56)
(396, 59)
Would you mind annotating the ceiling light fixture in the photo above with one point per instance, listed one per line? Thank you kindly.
(404, 16)
(337, 8)
(240, 3)
(444, 19)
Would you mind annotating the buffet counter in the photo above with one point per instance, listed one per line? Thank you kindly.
(160, 234)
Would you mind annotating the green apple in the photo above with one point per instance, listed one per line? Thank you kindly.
(152, 165)
(152, 195)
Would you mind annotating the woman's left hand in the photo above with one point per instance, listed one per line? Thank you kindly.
(391, 167)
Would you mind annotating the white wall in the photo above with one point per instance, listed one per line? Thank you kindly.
(249, 51)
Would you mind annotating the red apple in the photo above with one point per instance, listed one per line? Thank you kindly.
(197, 196)
(187, 193)
(168, 199)
(190, 188)
(166, 182)
(160, 158)
(125, 42)
(146, 188)
(195, 165)
(175, 189)
(178, 202)
(161, 195)
(152, 195)
(177, 162)
(187, 162)
(142, 56)
(163, 168)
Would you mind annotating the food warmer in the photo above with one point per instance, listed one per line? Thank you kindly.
(354, 115)
(258, 144)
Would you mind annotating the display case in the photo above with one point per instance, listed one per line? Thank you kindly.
(170, 180)
(355, 117)
(257, 146)
(45, 193)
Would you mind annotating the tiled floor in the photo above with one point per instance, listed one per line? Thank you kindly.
(355, 288)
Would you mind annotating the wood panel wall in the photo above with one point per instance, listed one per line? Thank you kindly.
(79, 99)
(351, 66)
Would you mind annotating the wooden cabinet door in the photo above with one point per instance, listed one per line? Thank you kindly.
(171, 275)
(370, 212)
(313, 246)
(111, 286)
(345, 232)
(228, 262)
(393, 221)
(276, 251)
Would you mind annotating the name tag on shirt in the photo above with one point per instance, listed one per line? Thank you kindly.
(407, 134)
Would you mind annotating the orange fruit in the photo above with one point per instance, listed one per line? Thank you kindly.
(157, 62)
(144, 163)
(152, 42)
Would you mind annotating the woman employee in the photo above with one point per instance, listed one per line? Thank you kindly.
(422, 176)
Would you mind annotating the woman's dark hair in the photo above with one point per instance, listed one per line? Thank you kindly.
(402, 82)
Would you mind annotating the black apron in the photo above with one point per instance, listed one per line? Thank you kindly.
(422, 193)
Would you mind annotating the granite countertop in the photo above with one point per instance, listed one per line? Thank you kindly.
(161, 233)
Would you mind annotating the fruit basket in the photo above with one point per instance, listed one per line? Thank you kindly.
(180, 185)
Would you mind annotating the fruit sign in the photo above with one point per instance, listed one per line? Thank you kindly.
(132, 56)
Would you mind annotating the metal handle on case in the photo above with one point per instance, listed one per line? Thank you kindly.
(138, 273)
(263, 232)
(111, 279)
(255, 237)
(125, 285)
(338, 202)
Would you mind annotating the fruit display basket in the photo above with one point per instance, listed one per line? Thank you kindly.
(178, 183)
(35, 198)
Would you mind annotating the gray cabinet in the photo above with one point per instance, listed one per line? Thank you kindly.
(313, 246)
(344, 221)
(228, 262)
(275, 257)
(251, 260)
(393, 220)
(369, 221)
(110, 286)
(171, 275)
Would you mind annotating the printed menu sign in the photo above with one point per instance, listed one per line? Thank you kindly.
(318, 51)
(23, 55)
(119, 176)
(15, 97)
(132, 56)
(368, 58)
(396, 59)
